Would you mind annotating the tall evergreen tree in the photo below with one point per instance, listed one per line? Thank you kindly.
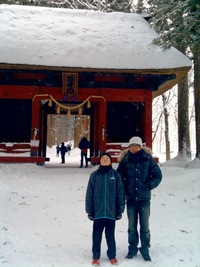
(194, 28)
(178, 23)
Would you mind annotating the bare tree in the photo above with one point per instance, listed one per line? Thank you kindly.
(166, 117)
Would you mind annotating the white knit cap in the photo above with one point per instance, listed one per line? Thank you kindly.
(135, 140)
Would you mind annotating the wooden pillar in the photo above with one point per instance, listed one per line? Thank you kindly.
(99, 128)
(102, 124)
(35, 127)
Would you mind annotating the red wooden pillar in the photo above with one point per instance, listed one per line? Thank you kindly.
(96, 131)
(99, 128)
(35, 127)
(102, 124)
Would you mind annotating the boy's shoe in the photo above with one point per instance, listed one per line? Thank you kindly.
(114, 261)
(95, 262)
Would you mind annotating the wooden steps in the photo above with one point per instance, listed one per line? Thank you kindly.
(18, 149)
(15, 148)
(114, 150)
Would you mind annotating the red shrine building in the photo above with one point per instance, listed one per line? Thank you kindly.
(73, 62)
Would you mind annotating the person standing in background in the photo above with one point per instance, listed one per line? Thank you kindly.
(83, 146)
(57, 150)
(63, 151)
(69, 149)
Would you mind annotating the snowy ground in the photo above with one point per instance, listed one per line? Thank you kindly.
(43, 221)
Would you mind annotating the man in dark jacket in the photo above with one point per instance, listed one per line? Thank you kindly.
(140, 174)
(83, 146)
(104, 204)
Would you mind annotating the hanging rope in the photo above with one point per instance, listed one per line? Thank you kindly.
(66, 107)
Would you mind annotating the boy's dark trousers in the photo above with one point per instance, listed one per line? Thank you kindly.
(98, 227)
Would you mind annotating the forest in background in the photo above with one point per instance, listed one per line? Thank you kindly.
(176, 127)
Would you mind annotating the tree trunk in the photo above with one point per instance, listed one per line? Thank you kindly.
(166, 115)
(184, 149)
(197, 99)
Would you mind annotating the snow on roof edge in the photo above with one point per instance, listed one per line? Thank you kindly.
(77, 39)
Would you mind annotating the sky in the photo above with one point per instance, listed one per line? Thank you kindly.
(81, 38)
(43, 221)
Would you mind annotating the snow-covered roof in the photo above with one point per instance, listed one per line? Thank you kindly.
(81, 39)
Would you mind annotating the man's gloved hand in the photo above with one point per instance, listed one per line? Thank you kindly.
(91, 217)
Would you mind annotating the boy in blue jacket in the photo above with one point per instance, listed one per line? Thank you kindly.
(104, 205)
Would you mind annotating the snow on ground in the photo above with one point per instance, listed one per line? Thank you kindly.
(43, 221)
